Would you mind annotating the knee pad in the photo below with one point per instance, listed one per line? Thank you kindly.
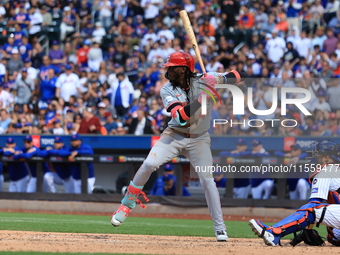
(333, 197)
(333, 236)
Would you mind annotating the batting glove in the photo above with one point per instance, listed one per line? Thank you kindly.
(210, 80)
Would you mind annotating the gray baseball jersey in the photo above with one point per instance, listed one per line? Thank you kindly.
(198, 123)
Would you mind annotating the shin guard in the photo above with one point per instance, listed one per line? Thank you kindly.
(303, 218)
(131, 197)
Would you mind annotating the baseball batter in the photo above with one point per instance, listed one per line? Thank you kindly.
(186, 135)
(325, 186)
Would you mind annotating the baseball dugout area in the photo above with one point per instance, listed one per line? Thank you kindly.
(113, 157)
(103, 195)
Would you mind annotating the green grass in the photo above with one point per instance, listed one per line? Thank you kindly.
(133, 225)
(101, 225)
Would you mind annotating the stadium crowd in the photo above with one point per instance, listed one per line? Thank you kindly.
(95, 67)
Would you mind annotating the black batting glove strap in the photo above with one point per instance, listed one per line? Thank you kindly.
(233, 78)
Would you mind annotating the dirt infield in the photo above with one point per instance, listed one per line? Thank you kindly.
(95, 243)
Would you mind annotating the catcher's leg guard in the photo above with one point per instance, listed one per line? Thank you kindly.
(128, 202)
(333, 236)
(303, 218)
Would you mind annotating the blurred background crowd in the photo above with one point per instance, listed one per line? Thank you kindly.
(95, 67)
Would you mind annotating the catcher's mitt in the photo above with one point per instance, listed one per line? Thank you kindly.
(309, 236)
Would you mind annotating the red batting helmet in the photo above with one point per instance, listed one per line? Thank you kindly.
(181, 59)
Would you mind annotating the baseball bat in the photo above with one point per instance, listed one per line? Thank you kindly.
(192, 38)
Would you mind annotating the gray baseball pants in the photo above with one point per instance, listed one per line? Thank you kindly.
(197, 150)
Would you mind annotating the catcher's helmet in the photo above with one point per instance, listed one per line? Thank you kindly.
(181, 59)
(324, 147)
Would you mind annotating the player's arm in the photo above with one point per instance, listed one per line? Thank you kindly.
(60, 153)
(178, 112)
(183, 113)
(232, 77)
(85, 150)
(42, 153)
(28, 155)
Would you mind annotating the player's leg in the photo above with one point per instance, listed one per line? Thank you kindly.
(77, 186)
(304, 217)
(332, 220)
(268, 186)
(90, 184)
(256, 192)
(32, 185)
(12, 186)
(241, 192)
(333, 236)
(302, 188)
(69, 185)
(50, 179)
(331, 216)
(294, 195)
(164, 150)
(1, 181)
(199, 153)
(22, 184)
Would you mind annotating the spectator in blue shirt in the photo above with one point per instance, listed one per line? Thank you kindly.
(17, 170)
(62, 174)
(80, 149)
(292, 9)
(48, 86)
(5, 119)
(110, 125)
(18, 34)
(44, 69)
(22, 18)
(8, 47)
(166, 184)
(25, 48)
(88, 29)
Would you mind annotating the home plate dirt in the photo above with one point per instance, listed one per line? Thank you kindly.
(146, 244)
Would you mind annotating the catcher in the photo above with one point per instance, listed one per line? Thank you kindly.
(325, 186)
(186, 135)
